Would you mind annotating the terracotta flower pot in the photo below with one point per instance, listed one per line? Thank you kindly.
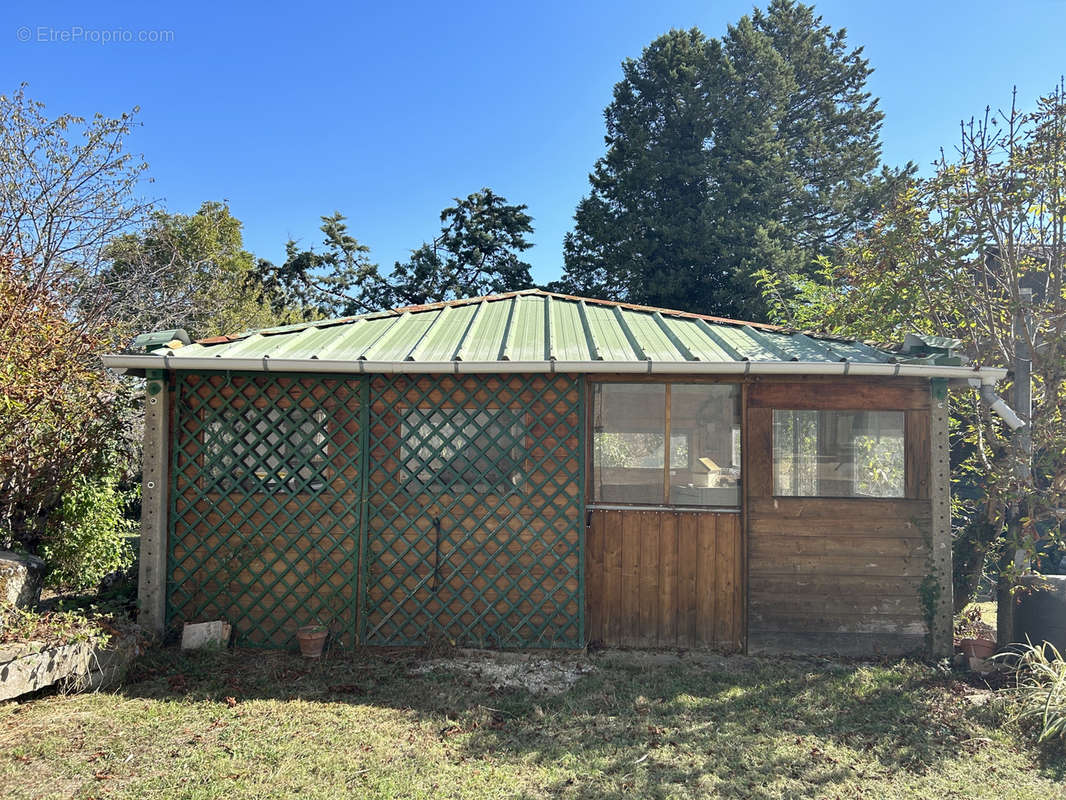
(312, 638)
(978, 648)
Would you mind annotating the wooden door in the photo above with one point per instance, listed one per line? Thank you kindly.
(662, 578)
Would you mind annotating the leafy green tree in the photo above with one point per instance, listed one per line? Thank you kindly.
(67, 188)
(186, 271)
(759, 150)
(88, 534)
(951, 257)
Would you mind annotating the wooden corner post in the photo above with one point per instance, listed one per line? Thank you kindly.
(152, 577)
(937, 589)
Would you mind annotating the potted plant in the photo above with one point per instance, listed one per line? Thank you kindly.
(974, 637)
(312, 638)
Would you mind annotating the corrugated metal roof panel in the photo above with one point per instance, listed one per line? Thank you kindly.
(525, 339)
(534, 326)
(484, 340)
(857, 351)
(441, 342)
(651, 339)
(699, 343)
(569, 339)
(399, 339)
(610, 338)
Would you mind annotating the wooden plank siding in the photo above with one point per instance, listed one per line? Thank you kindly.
(668, 578)
(837, 574)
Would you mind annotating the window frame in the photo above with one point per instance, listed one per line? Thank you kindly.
(413, 485)
(665, 504)
(217, 480)
(905, 494)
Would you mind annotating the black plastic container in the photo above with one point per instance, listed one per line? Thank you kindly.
(1040, 610)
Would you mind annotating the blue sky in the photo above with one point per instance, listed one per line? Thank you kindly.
(385, 111)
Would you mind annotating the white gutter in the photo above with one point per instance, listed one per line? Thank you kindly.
(986, 375)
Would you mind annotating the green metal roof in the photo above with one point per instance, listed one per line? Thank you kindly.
(533, 326)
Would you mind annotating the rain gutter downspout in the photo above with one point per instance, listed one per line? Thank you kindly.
(997, 404)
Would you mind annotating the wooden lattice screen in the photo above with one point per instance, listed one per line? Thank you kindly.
(264, 516)
(394, 509)
(475, 511)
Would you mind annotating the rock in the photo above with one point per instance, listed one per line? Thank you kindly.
(201, 635)
(21, 578)
(109, 664)
(34, 671)
(29, 666)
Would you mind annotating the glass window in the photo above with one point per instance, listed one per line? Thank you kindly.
(838, 453)
(449, 449)
(267, 449)
(630, 430)
(707, 417)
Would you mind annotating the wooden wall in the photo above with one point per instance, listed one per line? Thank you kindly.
(837, 574)
(664, 579)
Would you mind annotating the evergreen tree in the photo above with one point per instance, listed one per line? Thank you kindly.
(724, 157)
(476, 253)
(340, 280)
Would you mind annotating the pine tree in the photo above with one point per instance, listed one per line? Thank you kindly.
(724, 157)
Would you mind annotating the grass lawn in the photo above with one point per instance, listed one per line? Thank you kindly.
(251, 724)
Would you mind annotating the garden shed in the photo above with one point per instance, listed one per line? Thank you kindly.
(540, 470)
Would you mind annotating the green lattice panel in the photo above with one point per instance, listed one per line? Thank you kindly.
(475, 511)
(264, 522)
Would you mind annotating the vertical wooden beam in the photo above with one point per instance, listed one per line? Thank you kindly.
(666, 450)
(152, 578)
(745, 547)
(726, 535)
(937, 588)
(612, 576)
(630, 585)
(688, 557)
(706, 587)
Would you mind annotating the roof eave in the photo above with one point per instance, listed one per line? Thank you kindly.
(138, 364)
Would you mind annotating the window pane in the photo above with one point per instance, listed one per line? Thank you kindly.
(277, 448)
(706, 470)
(629, 430)
(464, 449)
(838, 453)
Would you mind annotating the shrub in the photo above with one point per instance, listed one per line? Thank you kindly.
(1041, 688)
(87, 535)
(66, 427)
